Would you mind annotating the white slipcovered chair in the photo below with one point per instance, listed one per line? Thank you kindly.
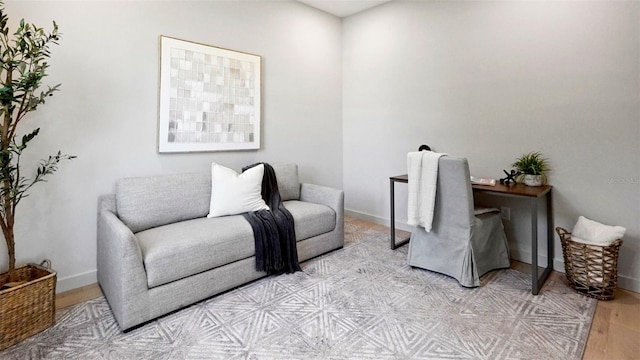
(460, 244)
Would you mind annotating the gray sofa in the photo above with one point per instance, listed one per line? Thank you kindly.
(158, 252)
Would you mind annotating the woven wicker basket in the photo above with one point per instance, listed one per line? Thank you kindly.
(27, 309)
(591, 269)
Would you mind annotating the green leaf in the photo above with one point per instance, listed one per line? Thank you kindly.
(29, 137)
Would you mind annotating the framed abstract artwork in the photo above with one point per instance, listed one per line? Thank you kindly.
(209, 98)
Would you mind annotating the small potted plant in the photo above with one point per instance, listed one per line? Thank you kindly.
(533, 168)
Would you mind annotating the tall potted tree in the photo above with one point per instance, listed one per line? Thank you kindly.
(27, 294)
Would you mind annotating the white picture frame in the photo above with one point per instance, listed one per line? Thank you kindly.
(209, 98)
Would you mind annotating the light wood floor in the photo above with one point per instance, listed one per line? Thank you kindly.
(614, 335)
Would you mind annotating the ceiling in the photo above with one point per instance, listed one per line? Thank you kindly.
(342, 8)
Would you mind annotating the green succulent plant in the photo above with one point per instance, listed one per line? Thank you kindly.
(532, 163)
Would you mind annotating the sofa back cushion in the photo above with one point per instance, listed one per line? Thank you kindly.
(146, 202)
(288, 183)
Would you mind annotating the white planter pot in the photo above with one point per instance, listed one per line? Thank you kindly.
(533, 180)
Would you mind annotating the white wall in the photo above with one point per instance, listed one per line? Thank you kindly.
(486, 80)
(106, 112)
(491, 81)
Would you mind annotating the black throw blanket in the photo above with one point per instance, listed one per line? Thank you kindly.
(273, 230)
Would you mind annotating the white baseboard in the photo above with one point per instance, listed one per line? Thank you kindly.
(376, 219)
(76, 281)
(629, 283)
(558, 265)
(525, 257)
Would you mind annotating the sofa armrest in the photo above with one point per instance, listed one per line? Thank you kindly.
(120, 267)
(333, 198)
(107, 202)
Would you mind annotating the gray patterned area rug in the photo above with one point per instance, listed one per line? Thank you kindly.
(361, 302)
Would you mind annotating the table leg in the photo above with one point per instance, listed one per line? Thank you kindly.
(550, 231)
(392, 224)
(534, 246)
(392, 221)
(537, 281)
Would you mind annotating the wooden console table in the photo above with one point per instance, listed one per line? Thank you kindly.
(534, 195)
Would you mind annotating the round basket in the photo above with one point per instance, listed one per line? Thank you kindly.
(591, 269)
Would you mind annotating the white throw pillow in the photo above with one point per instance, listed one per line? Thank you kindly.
(233, 193)
(592, 232)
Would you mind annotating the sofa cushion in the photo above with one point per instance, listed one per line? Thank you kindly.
(178, 250)
(311, 219)
(288, 183)
(146, 202)
(175, 251)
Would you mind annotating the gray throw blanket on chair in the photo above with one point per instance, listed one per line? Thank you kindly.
(273, 230)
